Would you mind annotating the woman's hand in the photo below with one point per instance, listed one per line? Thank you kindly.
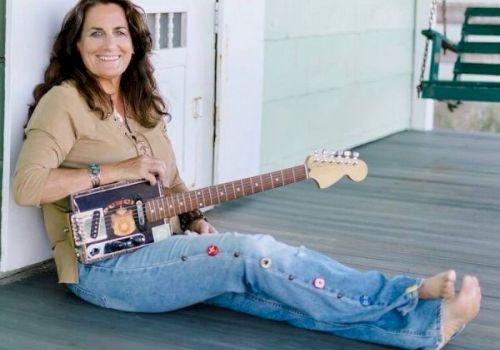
(142, 167)
(201, 226)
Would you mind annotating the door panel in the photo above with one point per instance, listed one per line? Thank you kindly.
(184, 61)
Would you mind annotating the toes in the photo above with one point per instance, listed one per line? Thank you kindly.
(451, 276)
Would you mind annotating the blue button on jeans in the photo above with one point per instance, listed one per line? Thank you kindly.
(178, 272)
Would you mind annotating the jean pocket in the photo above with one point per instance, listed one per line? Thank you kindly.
(87, 295)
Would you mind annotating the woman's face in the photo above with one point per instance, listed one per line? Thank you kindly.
(105, 44)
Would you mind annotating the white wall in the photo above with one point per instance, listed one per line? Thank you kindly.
(31, 26)
(240, 65)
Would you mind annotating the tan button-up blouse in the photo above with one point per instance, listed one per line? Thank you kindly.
(64, 132)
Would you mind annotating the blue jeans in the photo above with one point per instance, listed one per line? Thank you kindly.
(257, 275)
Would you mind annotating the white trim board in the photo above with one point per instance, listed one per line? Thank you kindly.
(239, 86)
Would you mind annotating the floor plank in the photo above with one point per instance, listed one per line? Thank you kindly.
(431, 202)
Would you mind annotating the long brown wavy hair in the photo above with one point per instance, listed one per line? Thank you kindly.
(138, 85)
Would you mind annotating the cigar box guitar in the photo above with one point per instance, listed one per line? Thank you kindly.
(125, 216)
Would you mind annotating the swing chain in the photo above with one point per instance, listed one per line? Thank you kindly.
(426, 49)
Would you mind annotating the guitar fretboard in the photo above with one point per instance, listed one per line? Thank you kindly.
(166, 207)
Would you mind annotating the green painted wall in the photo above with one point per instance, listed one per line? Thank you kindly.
(337, 74)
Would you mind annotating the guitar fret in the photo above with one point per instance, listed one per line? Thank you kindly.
(192, 201)
(199, 201)
(210, 196)
(155, 210)
(161, 208)
(149, 214)
(223, 191)
(234, 190)
(240, 189)
(170, 207)
(184, 201)
(203, 196)
(228, 188)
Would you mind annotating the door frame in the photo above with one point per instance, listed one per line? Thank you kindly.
(239, 88)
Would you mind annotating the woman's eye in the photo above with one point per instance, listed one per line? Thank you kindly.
(96, 34)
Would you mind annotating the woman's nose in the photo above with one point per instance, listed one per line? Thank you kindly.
(110, 41)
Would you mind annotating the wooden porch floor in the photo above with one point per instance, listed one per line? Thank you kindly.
(431, 202)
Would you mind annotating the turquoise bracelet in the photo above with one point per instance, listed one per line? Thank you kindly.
(95, 174)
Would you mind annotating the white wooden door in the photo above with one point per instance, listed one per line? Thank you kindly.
(184, 60)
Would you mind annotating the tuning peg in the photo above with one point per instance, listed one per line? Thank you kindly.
(315, 156)
(347, 154)
(324, 156)
(355, 156)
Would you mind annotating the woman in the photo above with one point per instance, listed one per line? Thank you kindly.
(98, 118)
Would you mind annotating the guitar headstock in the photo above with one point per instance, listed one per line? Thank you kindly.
(326, 168)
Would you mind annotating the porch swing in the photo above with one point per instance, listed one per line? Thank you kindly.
(487, 89)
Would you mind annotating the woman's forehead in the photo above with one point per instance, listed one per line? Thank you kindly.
(105, 15)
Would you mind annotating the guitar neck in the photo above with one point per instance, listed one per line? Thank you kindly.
(169, 206)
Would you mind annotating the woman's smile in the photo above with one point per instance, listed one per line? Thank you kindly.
(105, 44)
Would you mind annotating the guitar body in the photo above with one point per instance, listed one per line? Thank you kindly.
(110, 220)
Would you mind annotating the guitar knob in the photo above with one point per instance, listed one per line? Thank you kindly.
(117, 245)
(347, 154)
(355, 155)
(128, 244)
(139, 240)
(94, 251)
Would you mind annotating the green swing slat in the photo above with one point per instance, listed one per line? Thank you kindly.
(481, 29)
(456, 89)
(461, 91)
(477, 68)
(478, 47)
(482, 12)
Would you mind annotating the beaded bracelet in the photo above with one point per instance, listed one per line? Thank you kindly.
(186, 219)
(94, 174)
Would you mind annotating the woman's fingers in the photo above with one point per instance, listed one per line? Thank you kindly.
(142, 167)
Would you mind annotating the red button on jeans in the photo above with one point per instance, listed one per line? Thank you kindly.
(212, 250)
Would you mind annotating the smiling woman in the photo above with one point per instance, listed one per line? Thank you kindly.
(97, 119)
(105, 45)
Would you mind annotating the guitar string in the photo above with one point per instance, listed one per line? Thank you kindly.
(135, 213)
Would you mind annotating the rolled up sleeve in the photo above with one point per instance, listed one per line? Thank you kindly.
(50, 135)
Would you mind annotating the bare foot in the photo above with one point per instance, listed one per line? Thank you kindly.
(461, 309)
(438, 286)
